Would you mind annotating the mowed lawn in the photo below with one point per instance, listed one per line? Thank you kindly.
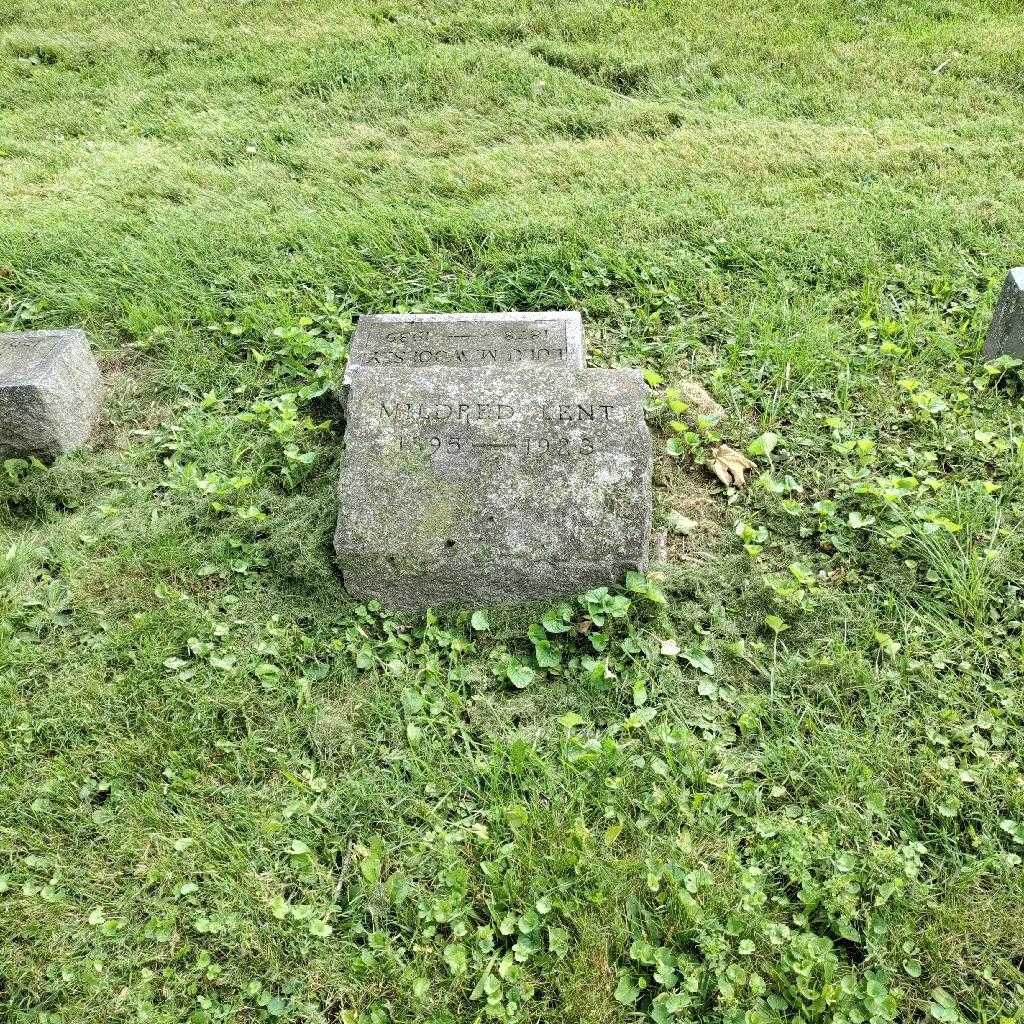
(779, 780)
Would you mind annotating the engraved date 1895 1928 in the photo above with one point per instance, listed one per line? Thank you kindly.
(453, 444)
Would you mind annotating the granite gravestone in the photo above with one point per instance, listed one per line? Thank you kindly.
(508, 340)
(481, 486)
(50, 393)
(1006, 332)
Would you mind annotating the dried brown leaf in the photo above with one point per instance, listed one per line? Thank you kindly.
(729, 465)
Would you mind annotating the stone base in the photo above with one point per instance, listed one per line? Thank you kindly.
(484, 486)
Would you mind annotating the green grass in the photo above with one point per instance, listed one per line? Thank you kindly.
(229, 794)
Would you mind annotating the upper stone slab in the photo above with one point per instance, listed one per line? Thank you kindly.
(481, 486)
(508, 340)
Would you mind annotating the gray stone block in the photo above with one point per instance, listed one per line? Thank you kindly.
(50, 393)
(508, 340)
(1006, 332)
(482, 486)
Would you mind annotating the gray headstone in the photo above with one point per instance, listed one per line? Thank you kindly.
(508, 340)
(1006, 332)
(50, 393)
(488, 487)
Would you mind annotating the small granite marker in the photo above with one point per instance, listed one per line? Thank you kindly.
(50, 393)
(484, 486)
(1006, 332)
(508, 340)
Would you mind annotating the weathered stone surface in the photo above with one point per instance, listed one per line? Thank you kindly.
(1006, 332)
(487, 487)
(507, 340)
(50, 393)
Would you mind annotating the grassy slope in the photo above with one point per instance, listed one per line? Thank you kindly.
(211, 757)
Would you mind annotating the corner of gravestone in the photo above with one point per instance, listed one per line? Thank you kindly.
(50, 393)
(1006, 332)
(480, 486)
